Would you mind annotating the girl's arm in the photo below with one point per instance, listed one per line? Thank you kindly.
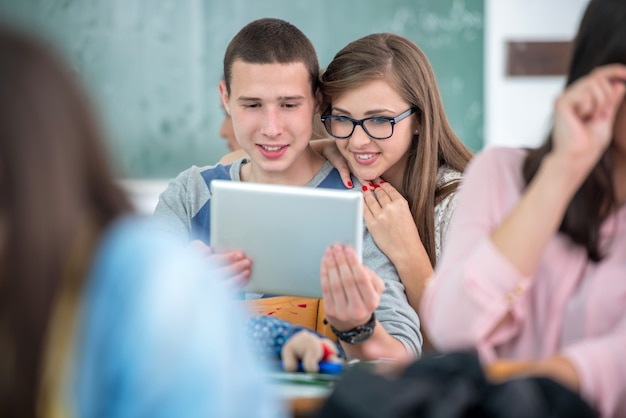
(498, 237)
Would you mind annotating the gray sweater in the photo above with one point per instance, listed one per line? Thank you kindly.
(185, 210)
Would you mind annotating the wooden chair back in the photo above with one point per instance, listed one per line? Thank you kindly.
(308, 312)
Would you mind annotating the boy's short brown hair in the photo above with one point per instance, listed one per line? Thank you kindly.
(269, 41)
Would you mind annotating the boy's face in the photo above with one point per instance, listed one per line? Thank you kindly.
(272, 110)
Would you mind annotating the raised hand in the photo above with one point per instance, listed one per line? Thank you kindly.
(584, 116)
(233, 266)
(351, 291)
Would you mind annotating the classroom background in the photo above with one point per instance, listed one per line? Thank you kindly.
(152, 66)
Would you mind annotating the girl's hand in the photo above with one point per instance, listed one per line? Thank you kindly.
(389, 220)
(310, 349)
(351, 291)
(233, 266)
(584, 115)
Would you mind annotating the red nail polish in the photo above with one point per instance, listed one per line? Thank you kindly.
(365, 188)
(383, 182)
(349, 184)
(371, 184)
(376, 186)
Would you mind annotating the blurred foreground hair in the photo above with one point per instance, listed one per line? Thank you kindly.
(57, 194)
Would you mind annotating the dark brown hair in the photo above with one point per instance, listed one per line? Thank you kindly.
(601, 39)
(269, 41)
(402, 64)
(55, 183)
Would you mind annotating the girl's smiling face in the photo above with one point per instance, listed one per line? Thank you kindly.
(369, 158)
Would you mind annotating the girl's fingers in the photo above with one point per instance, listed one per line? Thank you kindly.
(368, 214)
(598, 93)
(370, 203)
(344, 173)
(391, 191)
(382, 195)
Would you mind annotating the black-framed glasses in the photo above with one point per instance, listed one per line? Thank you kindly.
(377, 127)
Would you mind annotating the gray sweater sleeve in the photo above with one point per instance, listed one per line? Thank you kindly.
(394, 312)
(180, 201)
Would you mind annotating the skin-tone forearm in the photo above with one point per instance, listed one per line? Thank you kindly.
(582, 130)
(414, 269)
(380, 345)
(391, 224)
(414, 276)
(351, 293)
(535, 219)
(547, 196)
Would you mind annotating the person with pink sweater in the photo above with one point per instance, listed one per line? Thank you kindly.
(533, 275)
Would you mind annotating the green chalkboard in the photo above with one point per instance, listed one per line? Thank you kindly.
(152, 66)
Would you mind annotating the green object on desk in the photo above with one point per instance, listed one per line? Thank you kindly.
(321, 379)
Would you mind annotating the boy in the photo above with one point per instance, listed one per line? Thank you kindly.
(270, 90)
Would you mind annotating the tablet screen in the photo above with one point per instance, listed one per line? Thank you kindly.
(284, 230)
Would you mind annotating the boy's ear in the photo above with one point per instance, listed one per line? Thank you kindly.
(224, 96)
(318, 101)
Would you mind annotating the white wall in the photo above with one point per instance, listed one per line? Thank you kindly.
(518, 109)
(144, 194)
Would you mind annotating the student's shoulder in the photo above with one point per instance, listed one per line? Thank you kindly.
(328, 177)
(499, 155)
(501, 167)
(196, 173)
(200, 177)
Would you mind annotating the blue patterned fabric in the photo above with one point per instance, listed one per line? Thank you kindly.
(268, 334)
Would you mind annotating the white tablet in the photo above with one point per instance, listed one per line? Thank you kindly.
(284, 230)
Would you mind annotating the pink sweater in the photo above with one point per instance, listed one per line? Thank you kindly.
(569, 306)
